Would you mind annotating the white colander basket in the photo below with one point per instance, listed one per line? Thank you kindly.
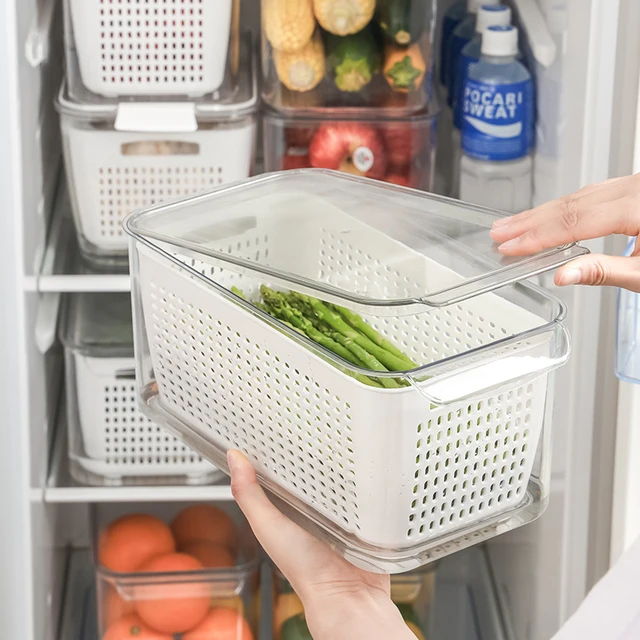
(110, 173)
(388, 467)
(151, 47)
(118, 440)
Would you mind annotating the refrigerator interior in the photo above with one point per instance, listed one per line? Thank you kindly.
(522, 585)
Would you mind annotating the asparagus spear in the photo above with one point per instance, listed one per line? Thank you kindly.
(333, 319)
(366, 357)
(239, 293)
(358, 323)
(278, 306)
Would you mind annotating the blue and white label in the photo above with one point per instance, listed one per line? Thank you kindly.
(463, 74)
(497, 120)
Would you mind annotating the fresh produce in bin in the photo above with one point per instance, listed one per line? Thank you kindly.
(403, 21)
(354, 52)
(288, 24)
(197, 577)
(404, 68)
(349, 147)
(398, 151)
(343, 17)
(411, 592)
(353, 59)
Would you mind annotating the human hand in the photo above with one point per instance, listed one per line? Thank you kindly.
(340, 600)
(611, 207)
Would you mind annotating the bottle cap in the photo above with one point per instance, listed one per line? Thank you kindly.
(500, 41)
(490, 15)
(473, 6)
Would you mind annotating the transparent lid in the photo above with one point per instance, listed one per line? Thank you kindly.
(237, 98)
(99, 324)
(344, 238)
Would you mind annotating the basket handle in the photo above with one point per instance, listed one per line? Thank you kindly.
(520, 361)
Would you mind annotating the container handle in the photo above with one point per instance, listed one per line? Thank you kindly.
(522, 361)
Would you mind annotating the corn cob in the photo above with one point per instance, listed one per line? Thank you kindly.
(301, 70)
(288, 24)
(343, 17)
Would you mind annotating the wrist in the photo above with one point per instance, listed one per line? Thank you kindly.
(359, 615)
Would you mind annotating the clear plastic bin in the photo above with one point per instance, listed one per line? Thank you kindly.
(392, 467)
(168, 583)
(396, 150)
(412, 593)
(360, 54)
(122, 155)
(151, 48)
(110, 440)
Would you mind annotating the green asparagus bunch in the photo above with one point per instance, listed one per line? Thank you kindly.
(338, 330)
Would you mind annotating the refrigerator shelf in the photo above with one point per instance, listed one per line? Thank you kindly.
(62, 269)
(465, 605)
(62, 488)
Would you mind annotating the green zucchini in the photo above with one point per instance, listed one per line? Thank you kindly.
(296, 629)
(353, 59)
(403, 21)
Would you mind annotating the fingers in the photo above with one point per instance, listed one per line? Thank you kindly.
(597, 270)
(568, 223)
(609, 207)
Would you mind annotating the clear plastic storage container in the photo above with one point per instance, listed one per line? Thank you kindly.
(169, 571)
(412, 593)
(394, 467)
(122, 155)
(110, 440)
(365, 54)
(151, 48)
(396, 150)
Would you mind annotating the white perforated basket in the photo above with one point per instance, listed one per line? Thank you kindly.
(117, 440)
(110, 173)
(388, 468)
(151, 47)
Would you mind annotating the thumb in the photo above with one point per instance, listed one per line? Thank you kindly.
(599, 270)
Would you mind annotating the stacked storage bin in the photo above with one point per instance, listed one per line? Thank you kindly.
(159, 102)
(348, 86)
(170, 571)
(110, 441)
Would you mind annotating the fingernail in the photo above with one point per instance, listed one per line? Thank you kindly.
(509, 246)
(233, 459)
(500, 222)
(568, 277)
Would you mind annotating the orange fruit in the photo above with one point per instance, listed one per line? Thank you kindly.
(212, 556)
(130, 541)
(132, 628)
(204, 522)
(115, 606)
(172, 607)
(221, 624)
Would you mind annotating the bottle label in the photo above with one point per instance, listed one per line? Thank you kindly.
(497, 120)
(463, 74)
(457, 45)
(448, 25)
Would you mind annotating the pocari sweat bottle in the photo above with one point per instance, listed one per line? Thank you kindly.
(497, 130)
(450, 21)
(461, 34)
(488, 16)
